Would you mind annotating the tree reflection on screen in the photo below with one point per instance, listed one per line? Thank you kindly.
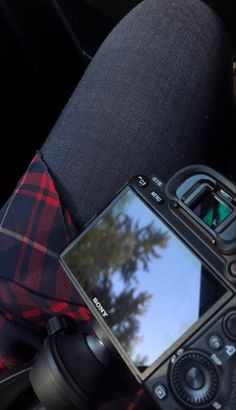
(106, 262)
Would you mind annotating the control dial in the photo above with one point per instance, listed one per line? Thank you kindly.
(195, 380)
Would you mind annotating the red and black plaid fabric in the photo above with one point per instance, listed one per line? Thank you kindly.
(34, 229)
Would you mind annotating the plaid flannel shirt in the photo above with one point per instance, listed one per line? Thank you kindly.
(34, 229)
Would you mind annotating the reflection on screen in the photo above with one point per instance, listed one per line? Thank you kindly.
(150, 284)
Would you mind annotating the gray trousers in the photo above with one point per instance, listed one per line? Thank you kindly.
(156, 97)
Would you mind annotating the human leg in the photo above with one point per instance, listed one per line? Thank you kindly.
(152, 101)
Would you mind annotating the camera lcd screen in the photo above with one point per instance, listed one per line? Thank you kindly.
(211, 210)
(151, 287)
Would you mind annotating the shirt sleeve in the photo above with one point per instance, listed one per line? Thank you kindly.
(34, 229)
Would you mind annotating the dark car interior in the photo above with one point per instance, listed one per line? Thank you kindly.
(45, 48)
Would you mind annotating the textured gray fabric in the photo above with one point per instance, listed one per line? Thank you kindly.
(152, 100)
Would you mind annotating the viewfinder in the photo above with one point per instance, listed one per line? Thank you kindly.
(211, 209)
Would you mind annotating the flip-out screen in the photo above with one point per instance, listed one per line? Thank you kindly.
(151, 287)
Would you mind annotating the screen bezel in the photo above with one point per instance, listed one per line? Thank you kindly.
(105, 332)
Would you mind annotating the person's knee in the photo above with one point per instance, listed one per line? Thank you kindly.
(160, 31)
(149, 98)
(175, 17)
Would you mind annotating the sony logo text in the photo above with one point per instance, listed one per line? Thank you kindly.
(99, 307)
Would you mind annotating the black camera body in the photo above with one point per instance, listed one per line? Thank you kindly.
(179, 277)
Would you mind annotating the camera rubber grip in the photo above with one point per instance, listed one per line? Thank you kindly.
(231, 405)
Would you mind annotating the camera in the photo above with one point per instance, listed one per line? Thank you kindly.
(157, 269)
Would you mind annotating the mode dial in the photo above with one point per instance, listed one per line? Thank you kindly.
(195, 380)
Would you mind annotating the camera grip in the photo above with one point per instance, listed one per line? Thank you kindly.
(231, 405)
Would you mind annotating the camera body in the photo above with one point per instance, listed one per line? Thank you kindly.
(176, 281)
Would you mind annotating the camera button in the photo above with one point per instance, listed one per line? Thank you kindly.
(158, 183)
(142, 181)
(195, 378)
(160, 391)
(232, 269)
(156, 197)
(230, 325)
(216, 342)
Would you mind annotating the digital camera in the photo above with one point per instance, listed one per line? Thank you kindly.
(157, 269)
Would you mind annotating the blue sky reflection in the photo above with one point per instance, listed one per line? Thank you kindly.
(173, 280)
